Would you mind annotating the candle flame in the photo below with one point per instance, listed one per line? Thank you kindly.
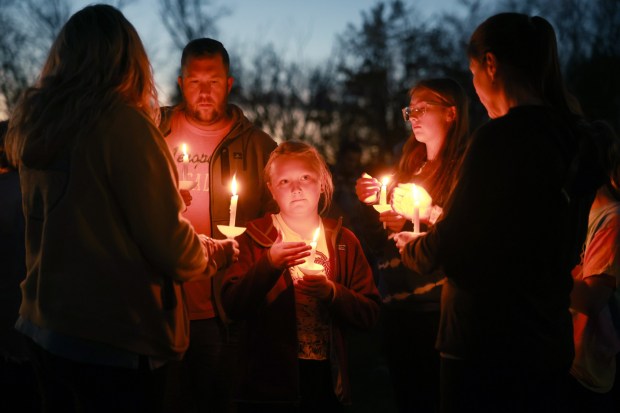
(385, 180)
(184, 149)
(316, 234)
(233, 185)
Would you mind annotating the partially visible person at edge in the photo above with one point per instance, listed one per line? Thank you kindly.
(595, 299)
(221, 144)
(106, 246)
(439, 116)
(16, 375)
(512, 229)
(293, 348)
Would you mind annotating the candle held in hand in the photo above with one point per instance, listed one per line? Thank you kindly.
(416, 209)
(185, 162)
(313, 244)
(233, 201)
(383, 195)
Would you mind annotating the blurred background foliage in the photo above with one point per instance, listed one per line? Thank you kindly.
(356, 94)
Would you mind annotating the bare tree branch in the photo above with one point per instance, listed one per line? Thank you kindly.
(186, 20)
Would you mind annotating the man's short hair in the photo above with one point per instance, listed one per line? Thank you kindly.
(204, 47)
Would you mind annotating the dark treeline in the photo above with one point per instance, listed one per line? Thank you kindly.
(358, 92)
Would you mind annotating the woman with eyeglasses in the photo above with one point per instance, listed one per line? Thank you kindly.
(438, 114)
(512, 229)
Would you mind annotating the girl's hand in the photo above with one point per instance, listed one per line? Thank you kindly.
(367, 188)
(393, 220)
(288, 254)
(317, 286)
(403, 238)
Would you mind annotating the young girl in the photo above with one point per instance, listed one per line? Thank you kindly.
(292, 351)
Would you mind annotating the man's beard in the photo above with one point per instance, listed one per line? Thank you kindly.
(209, 115)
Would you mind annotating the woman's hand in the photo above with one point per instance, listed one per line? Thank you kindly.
(403, 238)
(317, 286)
(288, 254)
(187, 197)
(367, 188)
(393, 220)
(231, 249)
(404, 204)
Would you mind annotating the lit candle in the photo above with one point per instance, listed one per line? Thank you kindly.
(383, 196)
(233, 201)
(313, 244)
(416, 209)
(185, 162)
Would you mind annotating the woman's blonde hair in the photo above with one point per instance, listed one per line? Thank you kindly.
(303, 150)
(96, 61)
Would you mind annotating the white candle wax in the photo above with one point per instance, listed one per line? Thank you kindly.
(233, 202)
(383, 195)
(416, 210)
(233, 209)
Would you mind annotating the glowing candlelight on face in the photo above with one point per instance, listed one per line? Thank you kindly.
(185, 162)
(233, 201)
(383, 196)
(313, 244)
(416, 209)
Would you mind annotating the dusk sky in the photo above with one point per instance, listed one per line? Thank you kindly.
(303, 30)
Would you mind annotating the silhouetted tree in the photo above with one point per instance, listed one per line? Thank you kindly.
(28, 29)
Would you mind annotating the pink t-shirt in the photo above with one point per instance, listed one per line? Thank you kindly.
(200, 146)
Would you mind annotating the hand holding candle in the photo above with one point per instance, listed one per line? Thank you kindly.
(383, 206)
(403, 202)
(233, 201)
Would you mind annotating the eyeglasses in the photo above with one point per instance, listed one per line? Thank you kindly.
(411, 113)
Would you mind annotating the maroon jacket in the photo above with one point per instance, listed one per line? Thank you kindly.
(264, 297)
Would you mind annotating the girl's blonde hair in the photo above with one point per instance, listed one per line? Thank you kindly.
(96, 61)
(303, 150)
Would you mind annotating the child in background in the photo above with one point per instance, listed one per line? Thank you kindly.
(292, 349)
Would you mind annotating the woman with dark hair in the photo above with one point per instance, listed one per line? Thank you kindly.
(512, 229)
(106, 247)
(438, 113)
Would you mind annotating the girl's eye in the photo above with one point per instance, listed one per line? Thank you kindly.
(283, 182)
(305, 178)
